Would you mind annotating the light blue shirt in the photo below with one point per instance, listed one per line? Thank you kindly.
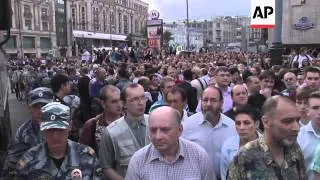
(210, 137)
(229, 149)
(308, 140)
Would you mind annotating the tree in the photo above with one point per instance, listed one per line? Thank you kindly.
(167, 36)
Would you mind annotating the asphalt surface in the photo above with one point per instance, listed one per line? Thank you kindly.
(19, 112)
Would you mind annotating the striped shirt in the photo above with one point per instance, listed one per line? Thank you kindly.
(191, 162)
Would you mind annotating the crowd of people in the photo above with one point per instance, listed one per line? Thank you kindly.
(208, 115)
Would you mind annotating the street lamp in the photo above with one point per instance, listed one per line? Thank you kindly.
(188, 43)
(19, 24)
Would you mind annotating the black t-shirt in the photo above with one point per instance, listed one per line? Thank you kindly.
(57, 162)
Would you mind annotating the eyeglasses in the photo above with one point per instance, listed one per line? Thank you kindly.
(138, 99)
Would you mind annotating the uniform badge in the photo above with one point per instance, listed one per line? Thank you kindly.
(52, 117)
(40, 94)
(76, 174)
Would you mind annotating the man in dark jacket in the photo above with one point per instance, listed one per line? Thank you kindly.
(192, 100)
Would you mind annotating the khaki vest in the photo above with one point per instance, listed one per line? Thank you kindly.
(124, 143)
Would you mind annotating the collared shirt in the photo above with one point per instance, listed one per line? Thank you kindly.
(308, 140)
(210, 137)
(229, 149)
(191, 162)
(255, 161)
(138, 129)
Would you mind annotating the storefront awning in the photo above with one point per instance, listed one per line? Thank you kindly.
(96, 35)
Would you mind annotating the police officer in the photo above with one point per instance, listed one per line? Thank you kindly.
(28, 134)
(58, 158)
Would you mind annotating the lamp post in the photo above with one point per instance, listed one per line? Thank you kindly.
(188, 43)
(19, 24)
(276, 47)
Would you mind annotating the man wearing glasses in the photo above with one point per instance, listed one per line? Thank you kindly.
(122, 138)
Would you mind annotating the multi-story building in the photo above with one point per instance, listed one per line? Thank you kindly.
(33, 32)
(300, 24)
(179, 35)
(97, 23)
(206, 27)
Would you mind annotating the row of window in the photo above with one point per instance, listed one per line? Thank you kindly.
(97, 26)
(28, 42)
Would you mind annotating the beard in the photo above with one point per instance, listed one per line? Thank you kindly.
(210, 114)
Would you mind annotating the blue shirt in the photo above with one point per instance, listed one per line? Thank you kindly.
(210, 137)
(308, 140)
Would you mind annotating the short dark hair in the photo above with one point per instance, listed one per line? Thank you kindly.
(187, 74)
(304, 93)
(177, 89)
(251, 111)
(315, 94)
(249, 79)
(267, 75)
(234, 70)
(221, 69)
(312, 70)
(123, 94)
(57, 81)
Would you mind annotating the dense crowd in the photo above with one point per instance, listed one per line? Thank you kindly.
(207, 115)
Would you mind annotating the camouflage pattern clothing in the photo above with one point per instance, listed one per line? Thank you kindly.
(254, 161)
(27, 136)
(37, 164)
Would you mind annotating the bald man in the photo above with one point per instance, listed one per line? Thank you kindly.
(239, 95)
(183, 159)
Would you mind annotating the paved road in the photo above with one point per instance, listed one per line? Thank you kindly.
(18, 112)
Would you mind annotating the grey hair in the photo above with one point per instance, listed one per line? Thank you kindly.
(270, 106)
(103, 95)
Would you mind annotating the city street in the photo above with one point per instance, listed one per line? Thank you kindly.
(18, 112)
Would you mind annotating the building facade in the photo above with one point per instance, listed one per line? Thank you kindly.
(179, 35)
(105, 23)
(33, 29)
(300, 23)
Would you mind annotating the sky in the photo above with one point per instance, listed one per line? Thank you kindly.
(172, 10)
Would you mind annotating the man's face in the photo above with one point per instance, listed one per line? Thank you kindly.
(136, 101)
(175, 101)
(283, 125)
(267, 83)
(164, 132)
(314, 110)
(172, 72)
(246, 127)
(253, 71)
(302, 106)
(254, 85)
(35, 111)
(223, 78)
(300, 79)
(56, 138)
(313, 80)
(113, 105)
(168, 86)
(240, 95)
(211, 103)
(290, 81)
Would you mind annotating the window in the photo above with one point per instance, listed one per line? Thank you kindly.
(125, 24)
(124, 2)
(112, 18)
(73, 15)
(44, 12)
(45, 26)
(104, 21)
(83, 19)
(27, 11)
(28, 42)
(136, 26)
(218, 25)
(12, 43)
(96, 19)
(28, 24)
(45, 43)
(120, 23)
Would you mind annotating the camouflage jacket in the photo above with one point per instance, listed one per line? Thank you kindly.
(255, 161)
(36, 163)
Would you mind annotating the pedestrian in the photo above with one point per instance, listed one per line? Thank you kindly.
(169, 156)
(275, 155)
(58, 157)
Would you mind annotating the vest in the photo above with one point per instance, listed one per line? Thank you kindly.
(124, 143)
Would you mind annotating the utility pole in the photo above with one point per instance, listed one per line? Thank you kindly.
(19, 24)
(188, 42)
